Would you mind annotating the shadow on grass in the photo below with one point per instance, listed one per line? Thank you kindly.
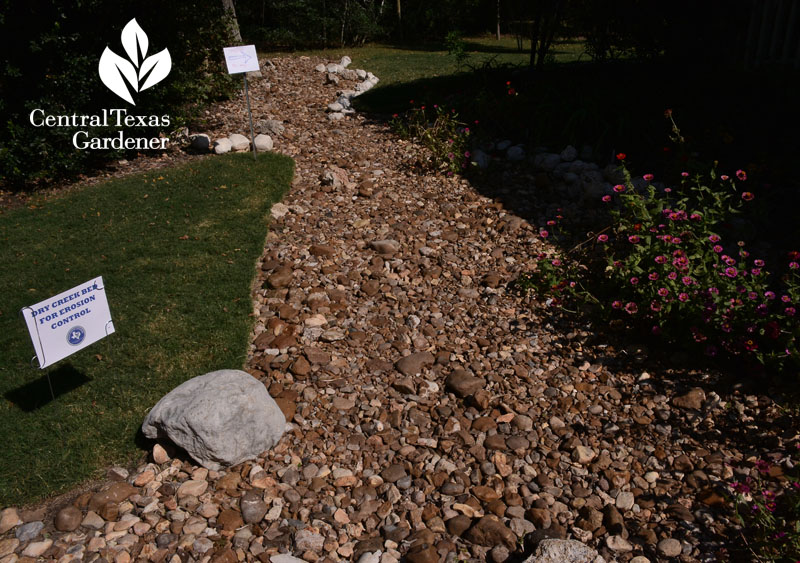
(36, 394)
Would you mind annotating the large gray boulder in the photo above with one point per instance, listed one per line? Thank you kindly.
(564, 551)
(221, 418)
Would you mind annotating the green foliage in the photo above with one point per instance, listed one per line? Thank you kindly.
(176, 249)
(49, 57)
(457, 48)
(767, 504)
(672, 263)
(439, 130)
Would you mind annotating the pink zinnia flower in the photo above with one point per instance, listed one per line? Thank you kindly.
(544, 234)
(634, 280)
(663, 291)
(631, 308)
(724, 177)
(653, 276)
(634, 239)
(661, 259)
(717, 248)
(619, 188)
(683, 297)
(687, 280)
(602, 238)
(685, 174)
(714, 238)
(673, 275)
(648, 177)
(606, 198)
(655, 306)
(790, 311)
(742, 175)
(616, 305)
(769, 295)
(748, 196)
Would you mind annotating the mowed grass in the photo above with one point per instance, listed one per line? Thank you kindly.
(397, 64)
(177, 250)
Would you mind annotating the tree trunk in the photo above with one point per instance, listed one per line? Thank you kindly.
(498, 20)
(231, 11)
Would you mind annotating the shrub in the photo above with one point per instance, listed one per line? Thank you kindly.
(767, 504)
(438, 130)
(671, 263)
(55, 68)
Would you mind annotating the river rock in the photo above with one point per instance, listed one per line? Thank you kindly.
(564, 551)
(221, 146)
(221, 418)
(239, 142)
(264, 142)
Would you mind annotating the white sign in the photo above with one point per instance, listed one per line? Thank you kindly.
(241, 59)
(69, 321)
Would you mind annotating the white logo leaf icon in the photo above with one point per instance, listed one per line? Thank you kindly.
(112, 68)
(132, 36)
(161, 63)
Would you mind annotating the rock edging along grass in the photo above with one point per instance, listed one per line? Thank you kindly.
(176, 249)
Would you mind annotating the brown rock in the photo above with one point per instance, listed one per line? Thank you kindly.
(422, 553)
(109, 511)
(486, 494)
(463, 384)
(393, 473)
(229, 520)
(413, 364)
(300, 367)
(224, 556)
(321, 250)
(540, 517)
(490, 531)
(692, 400)
(317, 356)
(387, 247)
(116, 493)
(280, 278)
(457, 525)
(288, 407)
(68, 519)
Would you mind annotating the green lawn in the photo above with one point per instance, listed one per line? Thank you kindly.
(177, 250)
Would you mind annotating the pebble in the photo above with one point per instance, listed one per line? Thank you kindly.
(670, 547)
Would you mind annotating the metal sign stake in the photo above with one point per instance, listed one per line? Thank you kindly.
(250, 113)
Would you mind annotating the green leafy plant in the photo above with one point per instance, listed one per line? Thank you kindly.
(671, 261)
(457, 47)
(439, 130)
(767, 505)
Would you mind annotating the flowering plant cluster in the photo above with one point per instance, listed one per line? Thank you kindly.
(767, 504)
(439, 130)
(669, 263)
(677, 269)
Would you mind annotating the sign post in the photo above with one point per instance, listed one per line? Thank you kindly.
(243, 59)
(68, 322)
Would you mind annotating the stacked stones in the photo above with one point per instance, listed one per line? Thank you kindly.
(333, 72)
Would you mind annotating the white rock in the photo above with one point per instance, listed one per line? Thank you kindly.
(345, 62)
(361, 73)
(569, 154)
(320, 68)
(221, 418)
(335, 106)
(618, 544)
(279, 210)
(239, 142)
(221, 146)
(481, 159)
(564, 551)
(334, 68)
(285, 558)
(625, 500)
(547, 161)
(344, 101)
(515, 153)
(338, 116)
(263, 142)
